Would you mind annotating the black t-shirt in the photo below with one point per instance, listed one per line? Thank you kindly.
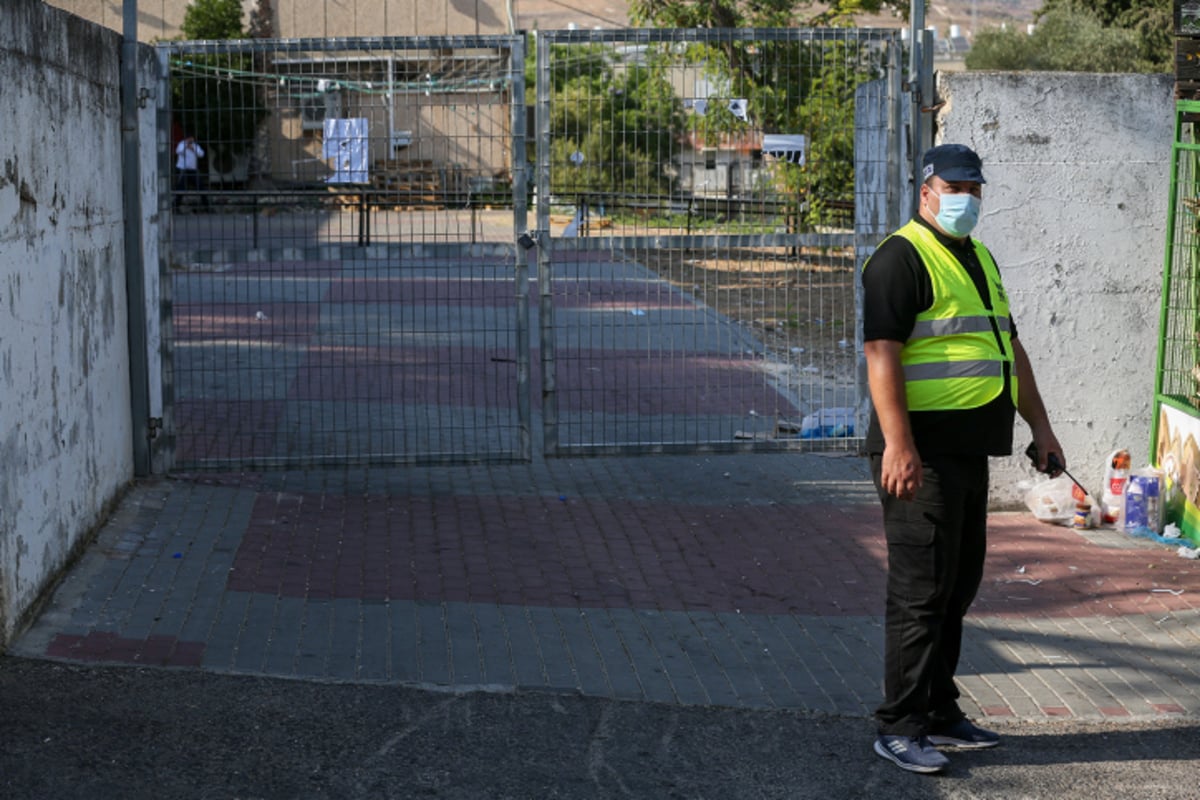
(896, 287)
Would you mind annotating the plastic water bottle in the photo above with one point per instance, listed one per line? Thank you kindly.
(1116, 480)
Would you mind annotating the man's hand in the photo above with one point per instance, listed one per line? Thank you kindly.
(901, 474)
(1046, 453)
(901, 464)
(1033, 411)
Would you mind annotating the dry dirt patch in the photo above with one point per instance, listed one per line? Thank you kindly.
(801, 301)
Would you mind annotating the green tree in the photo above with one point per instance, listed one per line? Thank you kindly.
(794, 87)
(1084, 36)
(1065, 39)
(1110, 12)
(753, 13)
(216, 97)
(614, 124)
(213, 19)
(1153, 25)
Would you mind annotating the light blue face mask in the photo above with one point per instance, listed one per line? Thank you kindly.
(957, 213)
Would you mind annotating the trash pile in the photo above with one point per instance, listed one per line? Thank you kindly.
(1131, 501)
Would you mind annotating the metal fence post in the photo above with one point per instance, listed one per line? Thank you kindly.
(135, 268)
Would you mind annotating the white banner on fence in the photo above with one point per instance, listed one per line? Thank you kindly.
(346, 143)
(787, 146)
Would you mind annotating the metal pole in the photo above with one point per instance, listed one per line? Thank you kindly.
(916, 40)
(544, 252)
(135, 266)
(896, 180)
(520, 201)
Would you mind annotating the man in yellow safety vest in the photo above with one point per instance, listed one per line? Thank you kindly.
(947, 374)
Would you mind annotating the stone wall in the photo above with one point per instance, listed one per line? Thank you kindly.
(65, 428)
(1075, 212)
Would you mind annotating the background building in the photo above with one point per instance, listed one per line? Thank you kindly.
(161, 19)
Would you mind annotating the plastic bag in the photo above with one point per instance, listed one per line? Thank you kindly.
(1051, 500)
(828, 423)
(1060, 501)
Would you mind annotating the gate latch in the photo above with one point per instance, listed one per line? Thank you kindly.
(528, 240)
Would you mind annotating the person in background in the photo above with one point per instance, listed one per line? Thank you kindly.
(187, 168)
(947, 374)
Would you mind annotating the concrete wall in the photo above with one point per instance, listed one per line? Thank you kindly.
(1075, 212)
(65, 431)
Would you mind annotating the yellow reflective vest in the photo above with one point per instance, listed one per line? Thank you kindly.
(957, 354)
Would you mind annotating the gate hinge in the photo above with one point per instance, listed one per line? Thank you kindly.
(153, 426)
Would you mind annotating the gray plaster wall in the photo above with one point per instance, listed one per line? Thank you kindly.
(65, 428)
(1074, 210)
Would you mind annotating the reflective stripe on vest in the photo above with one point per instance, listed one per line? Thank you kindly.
(946, 327)
(956, 355)
(953, 369)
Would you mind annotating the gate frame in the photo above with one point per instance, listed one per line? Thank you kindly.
(900, 187)
(898, 182)
(516, 248)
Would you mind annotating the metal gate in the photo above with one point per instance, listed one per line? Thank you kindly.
(704, 199)
(348, 272)
(344, 284)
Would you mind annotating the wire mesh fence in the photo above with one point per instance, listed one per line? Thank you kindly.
(344, 283)
(705, 225)
(1179, 371)
(350, 254)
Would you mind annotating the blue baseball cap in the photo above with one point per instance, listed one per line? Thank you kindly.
(952, 162)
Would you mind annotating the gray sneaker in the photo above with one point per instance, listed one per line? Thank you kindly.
(964, 735)
(913, 753)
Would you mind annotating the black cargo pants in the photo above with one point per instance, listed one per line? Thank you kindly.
(936, 545)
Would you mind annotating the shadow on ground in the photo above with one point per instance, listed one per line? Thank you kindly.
(85, 732)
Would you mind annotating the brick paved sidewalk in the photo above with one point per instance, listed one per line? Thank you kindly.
(745, 581)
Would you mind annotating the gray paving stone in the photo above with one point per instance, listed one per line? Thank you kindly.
(813, 670)
(783, 672)
(590, 670)
(345, 636)
(219, 650)
(255, 634)
(643, 656)
(732, 668)
(466, 659)
(494, 645)
(172, 614)
(202, 612)
(433, 645)
(283, 641)
(556, 658)
(662, 630)
(374, 650)
(141, 621)
(223, 635)
(528, 669)
(404, 645)
(312, 648)
(618, 667)
(765, 659)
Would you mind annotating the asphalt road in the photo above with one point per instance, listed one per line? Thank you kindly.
(70, 731)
